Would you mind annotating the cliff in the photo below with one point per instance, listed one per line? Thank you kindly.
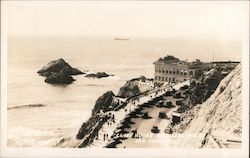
(89, 129)
(205, 86)
(106, 102)
(218, 121)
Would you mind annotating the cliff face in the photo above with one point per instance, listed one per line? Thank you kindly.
(106, 102)
(205, 86)
(218, 120)
(129, 90)
(89, 129)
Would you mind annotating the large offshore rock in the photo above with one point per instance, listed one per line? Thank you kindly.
(59, 78)
(56, 66)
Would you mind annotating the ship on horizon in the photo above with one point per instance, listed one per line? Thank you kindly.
(122, 39)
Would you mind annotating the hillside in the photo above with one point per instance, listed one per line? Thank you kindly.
(217, 122)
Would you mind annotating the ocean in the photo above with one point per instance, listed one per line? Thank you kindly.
(61, 110)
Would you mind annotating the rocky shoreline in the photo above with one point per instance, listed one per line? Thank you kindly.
(102, 113)
(129, 103)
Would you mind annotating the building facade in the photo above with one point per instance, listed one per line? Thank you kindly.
(175, 71)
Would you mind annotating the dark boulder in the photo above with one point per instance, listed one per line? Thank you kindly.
(129, 90)
(57, 66)
(59, 78)
(98, 75)
(106, 102)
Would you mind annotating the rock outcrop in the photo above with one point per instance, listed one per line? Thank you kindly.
(59, 72)
(94, 122)
(57, 66)
(60, 78)
(135, 87)
(89, 129)
(97, 75)
(106, 102)
(129, 90)
(205, 86)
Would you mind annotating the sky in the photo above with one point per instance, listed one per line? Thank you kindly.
(192, 19)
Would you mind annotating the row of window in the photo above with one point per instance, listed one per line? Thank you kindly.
(166, 79)
(174, 72)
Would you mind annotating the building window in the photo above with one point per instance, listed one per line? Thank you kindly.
(173, 79)
(169, 79)
(170, 72)
(173, 72)
(163, 71)
(181, 73)
(185, 73)
(177, 72)
(155, 77)
(166, 71)
(166, 78)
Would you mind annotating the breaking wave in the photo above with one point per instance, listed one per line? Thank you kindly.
(27, 106)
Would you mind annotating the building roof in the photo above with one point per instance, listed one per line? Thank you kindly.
(175, 61)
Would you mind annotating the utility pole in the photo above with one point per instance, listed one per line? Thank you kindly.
(213, 57)
(213, 61)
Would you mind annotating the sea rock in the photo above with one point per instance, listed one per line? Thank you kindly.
(59, 78)
(57, 66)
(106, 102)
(98, 75)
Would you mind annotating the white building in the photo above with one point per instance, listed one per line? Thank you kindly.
(171, 69)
